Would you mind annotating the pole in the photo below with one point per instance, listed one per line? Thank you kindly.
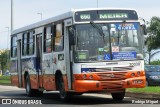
(7, 37)
(11, 16)
(40, 15)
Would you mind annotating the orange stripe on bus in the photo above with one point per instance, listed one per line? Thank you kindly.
(14, 80)
(65, 82)
(49, 82)
(34, 81)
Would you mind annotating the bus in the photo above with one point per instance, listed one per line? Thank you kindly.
(81, 51)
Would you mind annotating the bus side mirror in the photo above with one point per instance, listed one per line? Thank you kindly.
(144, 29)
(71, 36)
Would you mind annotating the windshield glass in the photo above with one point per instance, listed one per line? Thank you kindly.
(101, 42)
(152, 68)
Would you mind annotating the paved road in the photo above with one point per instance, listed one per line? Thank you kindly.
(51, 99)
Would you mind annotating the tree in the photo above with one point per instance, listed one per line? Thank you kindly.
(153, 39)
(4, 60)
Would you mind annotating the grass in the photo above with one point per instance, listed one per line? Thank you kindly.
(153, 89)
(5, 80)
(4, 77)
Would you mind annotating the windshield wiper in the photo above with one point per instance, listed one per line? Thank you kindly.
(100, 31)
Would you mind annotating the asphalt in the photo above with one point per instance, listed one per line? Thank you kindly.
(143, 95)
(128, 94)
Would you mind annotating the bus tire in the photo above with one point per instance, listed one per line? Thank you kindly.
(37, 93)
(64, 96)
(29, 91)
(118, 96)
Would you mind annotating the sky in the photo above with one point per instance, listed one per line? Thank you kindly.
(25, 11)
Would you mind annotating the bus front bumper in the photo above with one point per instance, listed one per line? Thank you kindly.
(113, 85)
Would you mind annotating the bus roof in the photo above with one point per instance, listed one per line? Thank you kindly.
(87, 9)
(60, 17)
(43, 22)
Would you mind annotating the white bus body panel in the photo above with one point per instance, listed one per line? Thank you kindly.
(137, 65)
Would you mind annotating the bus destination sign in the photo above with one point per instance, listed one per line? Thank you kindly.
(101, 15)
(113, 15)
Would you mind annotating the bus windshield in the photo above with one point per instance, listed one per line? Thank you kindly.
(108, 41)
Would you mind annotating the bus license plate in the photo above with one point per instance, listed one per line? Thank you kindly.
(137, 81)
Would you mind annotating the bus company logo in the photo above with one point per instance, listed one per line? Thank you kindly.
(110, 75)
(6, 101)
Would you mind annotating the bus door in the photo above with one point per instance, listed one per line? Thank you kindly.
(19, 63)
(68, 52)
(39, 59)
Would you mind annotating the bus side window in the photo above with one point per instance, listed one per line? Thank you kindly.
(59, 42)
(13, 46)
(31, 43)
(47, 40)
(24, 44)
(53, 33)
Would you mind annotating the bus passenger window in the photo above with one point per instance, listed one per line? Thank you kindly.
(53, 33)
(24, 44)
(13, 46)
(59, 37)
(47, 40)
(31, 43)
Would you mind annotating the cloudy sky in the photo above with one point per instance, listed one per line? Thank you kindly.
(25, 11)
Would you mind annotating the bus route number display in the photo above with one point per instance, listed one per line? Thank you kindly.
(85, 16)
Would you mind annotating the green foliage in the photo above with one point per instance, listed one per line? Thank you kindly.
(153, 39)
(4, 60)
(157, 62)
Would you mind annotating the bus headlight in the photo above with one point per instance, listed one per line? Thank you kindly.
(91, 77)
(84, 76)
(139, 73)
(132, 74)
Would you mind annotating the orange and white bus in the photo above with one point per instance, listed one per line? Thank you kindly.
(85, 50)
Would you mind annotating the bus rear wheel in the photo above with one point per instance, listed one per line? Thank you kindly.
(29, 91)
(118, 96)
(32, 92)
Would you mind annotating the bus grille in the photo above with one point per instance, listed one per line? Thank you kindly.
(112, 76)
(112, 85)
(127, 68)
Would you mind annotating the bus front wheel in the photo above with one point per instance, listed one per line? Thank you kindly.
(63, 94)
(118, 96)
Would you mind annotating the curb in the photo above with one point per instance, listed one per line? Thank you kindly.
(143, 95)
